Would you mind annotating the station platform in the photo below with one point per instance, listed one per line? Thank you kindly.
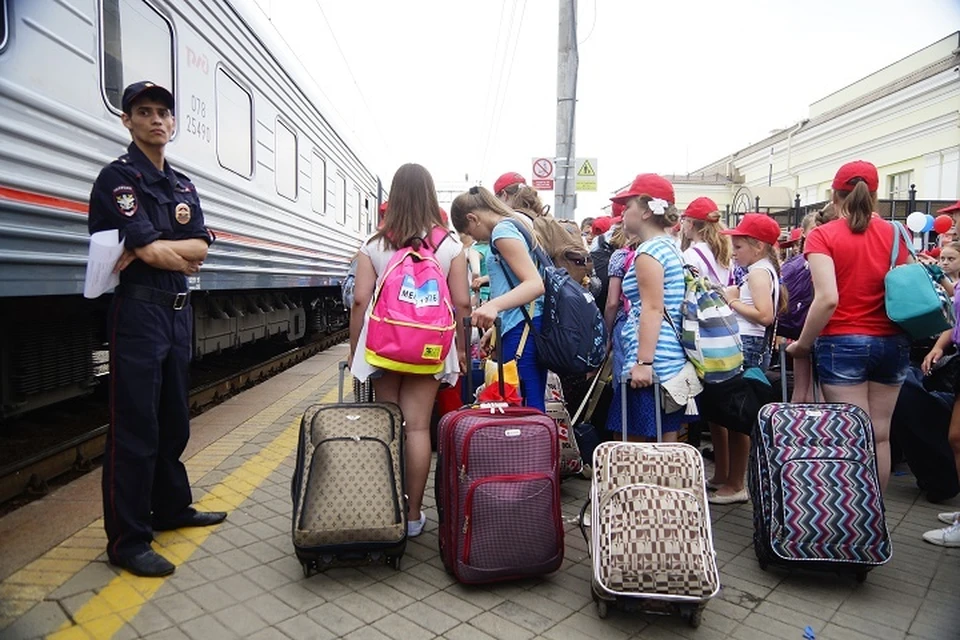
(241, 579)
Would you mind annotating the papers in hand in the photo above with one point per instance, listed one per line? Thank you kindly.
(105, 249)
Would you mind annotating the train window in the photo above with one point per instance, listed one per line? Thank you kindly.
(342, 200)
(286, 161)
(318, 183)
(361, 214)
(3, 24)
(137, 45)
(234, 125)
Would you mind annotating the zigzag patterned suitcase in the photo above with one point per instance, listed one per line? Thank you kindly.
(813, 484)
(347, 487)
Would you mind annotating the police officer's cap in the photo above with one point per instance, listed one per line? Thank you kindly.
(145, 88)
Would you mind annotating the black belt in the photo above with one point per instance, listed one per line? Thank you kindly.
(175, 301)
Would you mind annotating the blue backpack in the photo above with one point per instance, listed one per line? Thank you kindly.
(572, 338)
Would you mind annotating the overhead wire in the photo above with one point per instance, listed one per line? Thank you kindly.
(487, 105)
(592, 24)
(506, 83)
(363, 97)
(502, 81)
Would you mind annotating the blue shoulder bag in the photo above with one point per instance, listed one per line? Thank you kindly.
(913, 300)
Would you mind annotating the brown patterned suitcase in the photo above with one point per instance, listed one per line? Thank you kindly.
(651, 540)
(347, 487)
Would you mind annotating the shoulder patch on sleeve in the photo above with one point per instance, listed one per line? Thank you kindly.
(126, 200)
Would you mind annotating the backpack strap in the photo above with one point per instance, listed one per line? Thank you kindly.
(900, 232)
(707, 262)
(539, 256)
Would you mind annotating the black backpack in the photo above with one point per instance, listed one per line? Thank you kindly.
(572, 337)
(601, 262)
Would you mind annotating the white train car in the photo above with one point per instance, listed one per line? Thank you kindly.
(288, 198)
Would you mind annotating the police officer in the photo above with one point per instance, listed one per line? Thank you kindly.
(157, 211)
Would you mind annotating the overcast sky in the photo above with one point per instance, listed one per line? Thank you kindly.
(468, 87)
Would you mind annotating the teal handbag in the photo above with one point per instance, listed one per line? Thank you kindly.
(913, 300)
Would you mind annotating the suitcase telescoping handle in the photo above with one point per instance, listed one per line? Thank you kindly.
(814, 382)
(657, 407)
(344, 365)
(466, 381)
(782, 353)
(498, 335)
(466, 386)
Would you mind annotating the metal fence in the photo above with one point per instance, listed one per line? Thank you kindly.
(888, 209)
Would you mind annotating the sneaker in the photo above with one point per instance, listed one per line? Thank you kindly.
(949, 517)
(415, 527)
(947, 537)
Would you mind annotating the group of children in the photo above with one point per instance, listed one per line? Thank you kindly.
(862, 356)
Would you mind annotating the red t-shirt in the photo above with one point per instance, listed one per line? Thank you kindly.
(861, 261)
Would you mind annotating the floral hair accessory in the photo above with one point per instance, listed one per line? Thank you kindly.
(658, 206)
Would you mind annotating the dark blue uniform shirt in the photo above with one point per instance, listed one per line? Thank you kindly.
(146, 205)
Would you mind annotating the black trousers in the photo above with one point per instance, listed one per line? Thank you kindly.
(143, 478)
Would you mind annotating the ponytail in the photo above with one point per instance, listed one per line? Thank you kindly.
(859, 205)
(719, 244)
(773, 256)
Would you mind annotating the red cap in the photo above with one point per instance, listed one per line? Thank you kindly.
(951, 209)
(444, 216)
(601, 225)
(383, 206)
(934, 252)
(508, 179)
(616, 209)
(795, 236)
(647, 184)
(845, 180)
(703, 208)
(758, 226)
(616, 220)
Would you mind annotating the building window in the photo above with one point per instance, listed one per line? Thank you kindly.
(234, 125)
(318, 184)
(286, 161)
(137, 45)
(899, 185)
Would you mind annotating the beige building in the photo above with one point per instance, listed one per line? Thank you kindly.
(904, 118)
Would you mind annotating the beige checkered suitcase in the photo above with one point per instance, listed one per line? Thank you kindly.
(650, 535)
(347, 488)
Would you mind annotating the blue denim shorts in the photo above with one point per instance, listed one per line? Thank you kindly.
(854, 359)
(756, 351)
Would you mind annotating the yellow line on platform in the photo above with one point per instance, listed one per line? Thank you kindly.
(117, 603)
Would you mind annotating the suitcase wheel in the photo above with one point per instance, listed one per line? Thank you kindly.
(602, 609)
(861, 577)
(394, 561)
(694, 617)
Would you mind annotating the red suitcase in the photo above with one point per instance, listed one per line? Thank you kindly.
(498, 493)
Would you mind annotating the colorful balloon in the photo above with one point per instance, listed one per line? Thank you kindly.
(928, 225)
(942, 223)
(916, 221)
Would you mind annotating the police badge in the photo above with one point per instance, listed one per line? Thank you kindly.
(183, 213)
(126, 200)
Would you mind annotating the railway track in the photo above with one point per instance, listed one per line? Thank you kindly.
(31, 477)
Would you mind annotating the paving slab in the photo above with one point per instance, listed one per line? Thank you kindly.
(241, 579)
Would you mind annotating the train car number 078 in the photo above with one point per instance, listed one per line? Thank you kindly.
(195, 124)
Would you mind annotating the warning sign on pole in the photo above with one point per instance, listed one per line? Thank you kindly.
(586, 174)
(543, 169)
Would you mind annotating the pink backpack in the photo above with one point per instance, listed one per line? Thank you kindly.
(411, 324)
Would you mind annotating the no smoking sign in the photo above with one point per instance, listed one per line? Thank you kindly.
(543, 169)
